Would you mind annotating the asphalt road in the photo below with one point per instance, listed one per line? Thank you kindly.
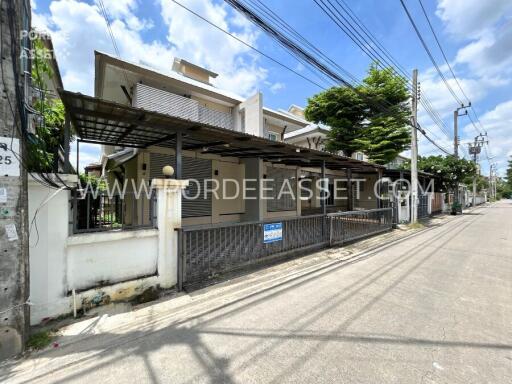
(436, 307)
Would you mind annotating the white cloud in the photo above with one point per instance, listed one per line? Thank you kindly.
(276, 87)
(441, 98)
(78, 28)
(489, 55)
(482, 64)
(200, 43)
(470, 18)
(486, 27)
(498, 123)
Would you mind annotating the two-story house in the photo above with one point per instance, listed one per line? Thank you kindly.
(186, 91)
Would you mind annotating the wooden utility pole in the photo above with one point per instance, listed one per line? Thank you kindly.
(414, 148)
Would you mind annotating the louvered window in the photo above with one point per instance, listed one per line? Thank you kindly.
(193, 169)
(276, 178)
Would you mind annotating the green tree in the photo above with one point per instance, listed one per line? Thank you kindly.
(448, 169)
(343, 110)
(43, 145)
(387, 133)
(509, 173)
(372, 117)
(503, 189)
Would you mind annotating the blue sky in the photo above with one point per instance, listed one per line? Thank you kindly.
(476, 36)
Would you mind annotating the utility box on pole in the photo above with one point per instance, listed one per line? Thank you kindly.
(14, 279)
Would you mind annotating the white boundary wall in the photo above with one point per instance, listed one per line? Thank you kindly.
(120, 264)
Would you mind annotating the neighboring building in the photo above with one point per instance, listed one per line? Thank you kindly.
(398, 163)
(93, 169)
(313, 136)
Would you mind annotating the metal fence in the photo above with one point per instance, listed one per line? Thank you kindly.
(423, 205)
(210, 250)
(350, 226)
(103, 212)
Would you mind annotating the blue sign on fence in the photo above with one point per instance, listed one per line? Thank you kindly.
(272, 232)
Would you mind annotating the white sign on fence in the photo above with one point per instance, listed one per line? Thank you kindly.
(9, 163)
(272, 232)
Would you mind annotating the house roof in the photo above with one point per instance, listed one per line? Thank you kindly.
(304, 132)
(102, 59)
(189, 64)
(105, 122)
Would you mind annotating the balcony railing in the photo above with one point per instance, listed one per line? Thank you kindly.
(153, 99)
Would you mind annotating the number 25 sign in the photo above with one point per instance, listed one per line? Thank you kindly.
(9, 164)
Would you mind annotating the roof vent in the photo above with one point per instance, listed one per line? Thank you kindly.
(193, 71)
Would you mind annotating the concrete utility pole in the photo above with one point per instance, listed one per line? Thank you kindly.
(456, 140)
(414, 148)
(14, 277)
(475, 149)
(492, 181)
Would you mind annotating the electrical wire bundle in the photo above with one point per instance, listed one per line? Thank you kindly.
(306, 53)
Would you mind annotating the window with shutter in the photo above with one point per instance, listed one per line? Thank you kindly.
(276, 178)
(193, 169)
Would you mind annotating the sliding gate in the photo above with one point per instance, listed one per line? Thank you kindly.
(207, 251)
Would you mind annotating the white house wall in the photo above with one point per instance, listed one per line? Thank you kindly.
(253, 108)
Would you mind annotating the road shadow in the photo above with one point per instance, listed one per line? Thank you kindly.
(104, 349)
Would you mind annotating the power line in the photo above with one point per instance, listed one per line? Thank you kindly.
(20, 126)
(294, 33)
(432, 141)
(365, 40)
(104, 13)
(442, 50)
(286, 40)
(297, 49)
(429, 53)
(248, 45)
(477, 129)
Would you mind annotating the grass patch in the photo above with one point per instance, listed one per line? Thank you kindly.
(40, 340)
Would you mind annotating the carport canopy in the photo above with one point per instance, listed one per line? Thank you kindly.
(105, 122)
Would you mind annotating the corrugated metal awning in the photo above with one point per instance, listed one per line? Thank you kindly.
(105, 122)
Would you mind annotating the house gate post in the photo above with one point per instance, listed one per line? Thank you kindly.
(169, 219)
